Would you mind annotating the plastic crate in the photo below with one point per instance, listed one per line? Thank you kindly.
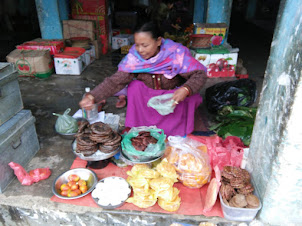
(238, 214)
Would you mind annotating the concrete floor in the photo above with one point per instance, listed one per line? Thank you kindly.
(31, 205)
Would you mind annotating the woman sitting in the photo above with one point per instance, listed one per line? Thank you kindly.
(155, 66)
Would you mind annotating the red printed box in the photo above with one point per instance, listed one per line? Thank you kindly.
(89, 7)
(41, 44)
(218, 65)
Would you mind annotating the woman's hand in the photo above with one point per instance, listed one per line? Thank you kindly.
(87, 102)
(179, 95)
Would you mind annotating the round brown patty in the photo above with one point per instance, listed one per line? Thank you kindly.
(101, 128)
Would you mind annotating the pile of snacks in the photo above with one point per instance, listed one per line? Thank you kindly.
(152, 185)
(236, 188)
(191, 163)
(97, 136)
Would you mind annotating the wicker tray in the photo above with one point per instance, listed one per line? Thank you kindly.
(201, 40)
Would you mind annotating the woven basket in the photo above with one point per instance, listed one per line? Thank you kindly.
(201, 40)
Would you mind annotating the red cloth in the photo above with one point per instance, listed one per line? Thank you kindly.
(192, 200)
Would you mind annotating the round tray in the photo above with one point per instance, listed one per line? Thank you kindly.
(85, 174)
(112, 206)
(129, 162)
(68, 136)
(94, 157)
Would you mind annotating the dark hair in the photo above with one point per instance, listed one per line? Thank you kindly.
(150, 27)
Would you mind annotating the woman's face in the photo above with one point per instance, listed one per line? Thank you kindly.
(145, 45)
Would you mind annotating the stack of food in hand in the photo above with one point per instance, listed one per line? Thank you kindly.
(236, 188)
(97, 136)
(150, 185)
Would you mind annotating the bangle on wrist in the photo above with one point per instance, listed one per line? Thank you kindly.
(188, 91)
(90, 97)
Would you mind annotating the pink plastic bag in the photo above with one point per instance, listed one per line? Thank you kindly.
(39, 174)
(222, 153)
(31, 177)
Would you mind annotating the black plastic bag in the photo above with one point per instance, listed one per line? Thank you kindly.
(241, 92)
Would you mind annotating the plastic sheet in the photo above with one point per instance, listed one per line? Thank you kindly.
(152, 151)
(190, 160)
(163, 104)
(228, 152)
(31, 177)
(241, 92)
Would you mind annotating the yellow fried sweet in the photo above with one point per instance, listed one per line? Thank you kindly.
(148, 173)
(143, 201)
(169, 194)
(142, 191)
(138, 182)
(161, 183)
(136, 168)
(170, 206)
(167, 170)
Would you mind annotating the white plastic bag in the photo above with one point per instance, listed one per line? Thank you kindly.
(163, 104)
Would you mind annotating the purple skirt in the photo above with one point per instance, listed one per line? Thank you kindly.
(180, 122)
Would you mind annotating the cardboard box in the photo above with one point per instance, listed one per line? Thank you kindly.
(36, 63)
(122, 40)
(71, 62)
(79, 28)
(98, 48)
(101, 28)
(218, 65)
(218, 30)
(54, 46)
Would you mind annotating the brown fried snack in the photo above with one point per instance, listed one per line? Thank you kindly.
(227, 191)
(82, 126)
(238, 201)
(246, 190)
(252, 201)
(114, 141)
(101, 128)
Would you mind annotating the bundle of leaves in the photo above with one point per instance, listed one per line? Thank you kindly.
(235, 121)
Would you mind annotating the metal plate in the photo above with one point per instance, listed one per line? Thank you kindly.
(129, 162)
(109, 207)
(95, 157)
(86, 174)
